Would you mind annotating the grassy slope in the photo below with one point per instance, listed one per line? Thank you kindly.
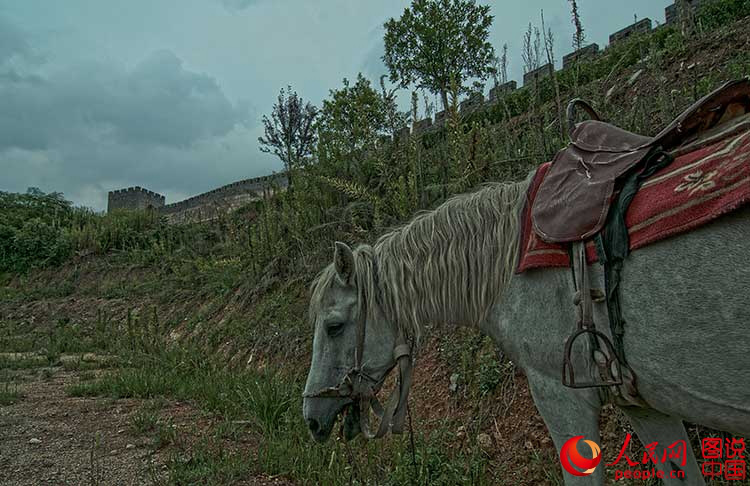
(486, 432)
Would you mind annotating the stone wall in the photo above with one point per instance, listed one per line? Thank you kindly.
(583, 54)
(672, 12)
(536, 74)
(202, 207)
(221, 200)
(501, 90)
(134, 198)
(640, 27)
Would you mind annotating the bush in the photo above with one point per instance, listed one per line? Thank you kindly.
(718, 13)
(35, 244)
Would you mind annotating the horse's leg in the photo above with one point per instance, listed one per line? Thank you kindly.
(653, 426)
(568, 413)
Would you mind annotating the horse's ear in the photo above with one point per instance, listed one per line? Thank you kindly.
(343, 261)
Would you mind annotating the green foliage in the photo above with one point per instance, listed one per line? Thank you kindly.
(717, 13)
(352, 123)
(436, 41)
(34, 230)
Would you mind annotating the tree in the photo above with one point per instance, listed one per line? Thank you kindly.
(436, 41)
(352, 121)
(289, 133)
(579, 37)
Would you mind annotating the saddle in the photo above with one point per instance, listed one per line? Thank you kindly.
(575, 197)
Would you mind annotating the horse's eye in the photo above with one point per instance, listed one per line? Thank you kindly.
(335, 328)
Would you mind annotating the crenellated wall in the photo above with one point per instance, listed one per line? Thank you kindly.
(221, 200)
(134, 198)
(202, 207)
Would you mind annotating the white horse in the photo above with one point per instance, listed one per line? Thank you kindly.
(684, 299)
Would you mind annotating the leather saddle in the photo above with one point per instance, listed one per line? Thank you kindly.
(574, 199)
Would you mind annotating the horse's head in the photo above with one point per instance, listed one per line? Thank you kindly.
(342, 307)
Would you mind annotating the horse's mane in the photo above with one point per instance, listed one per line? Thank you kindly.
(448, 265)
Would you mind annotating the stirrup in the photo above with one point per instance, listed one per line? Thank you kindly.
(610, 369)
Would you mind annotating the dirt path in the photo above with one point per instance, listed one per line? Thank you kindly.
(50, 438)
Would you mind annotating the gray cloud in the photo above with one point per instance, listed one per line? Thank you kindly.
(156, 103)
(91, 127)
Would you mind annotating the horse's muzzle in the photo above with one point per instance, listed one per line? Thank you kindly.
(320, 415)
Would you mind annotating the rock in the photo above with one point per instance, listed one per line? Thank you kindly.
(454, 382)
(35, 441)
(484, 441)
(130, 446)
(461, 432)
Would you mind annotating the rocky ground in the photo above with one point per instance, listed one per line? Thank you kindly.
(50, 438)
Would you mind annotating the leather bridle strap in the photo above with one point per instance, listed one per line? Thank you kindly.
(393, 415)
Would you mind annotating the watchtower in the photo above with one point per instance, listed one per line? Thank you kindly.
(134, 198)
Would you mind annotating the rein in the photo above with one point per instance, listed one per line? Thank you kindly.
(363, 388)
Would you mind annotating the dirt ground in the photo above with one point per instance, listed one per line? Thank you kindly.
(50, 438)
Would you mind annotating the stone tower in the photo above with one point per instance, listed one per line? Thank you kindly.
(134, 198)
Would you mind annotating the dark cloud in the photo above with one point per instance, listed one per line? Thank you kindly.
(87, 128)
(158, 102)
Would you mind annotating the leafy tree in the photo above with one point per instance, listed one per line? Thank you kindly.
(436, 41)
(353, 122)
(289, 133)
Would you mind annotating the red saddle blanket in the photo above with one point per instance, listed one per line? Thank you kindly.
(694, 189)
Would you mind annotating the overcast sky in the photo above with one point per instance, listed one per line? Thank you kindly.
(97, 95)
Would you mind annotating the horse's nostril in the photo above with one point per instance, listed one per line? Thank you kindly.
(313, 425)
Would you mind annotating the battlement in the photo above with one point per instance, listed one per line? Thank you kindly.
(583, 54)
(201, 207)
(134, 198)
(256, 187)
(640, 27)
(537, 74)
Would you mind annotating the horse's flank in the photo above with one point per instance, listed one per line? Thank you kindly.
(449, 265)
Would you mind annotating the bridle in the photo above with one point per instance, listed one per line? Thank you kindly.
(363, 388)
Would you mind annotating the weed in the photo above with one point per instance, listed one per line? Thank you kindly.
(9, 394)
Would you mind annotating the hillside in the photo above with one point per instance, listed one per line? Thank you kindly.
(191, 342)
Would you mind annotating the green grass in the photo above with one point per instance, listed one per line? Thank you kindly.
(264, 407)
(9, 394)
(207, 463)
(22, 362)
